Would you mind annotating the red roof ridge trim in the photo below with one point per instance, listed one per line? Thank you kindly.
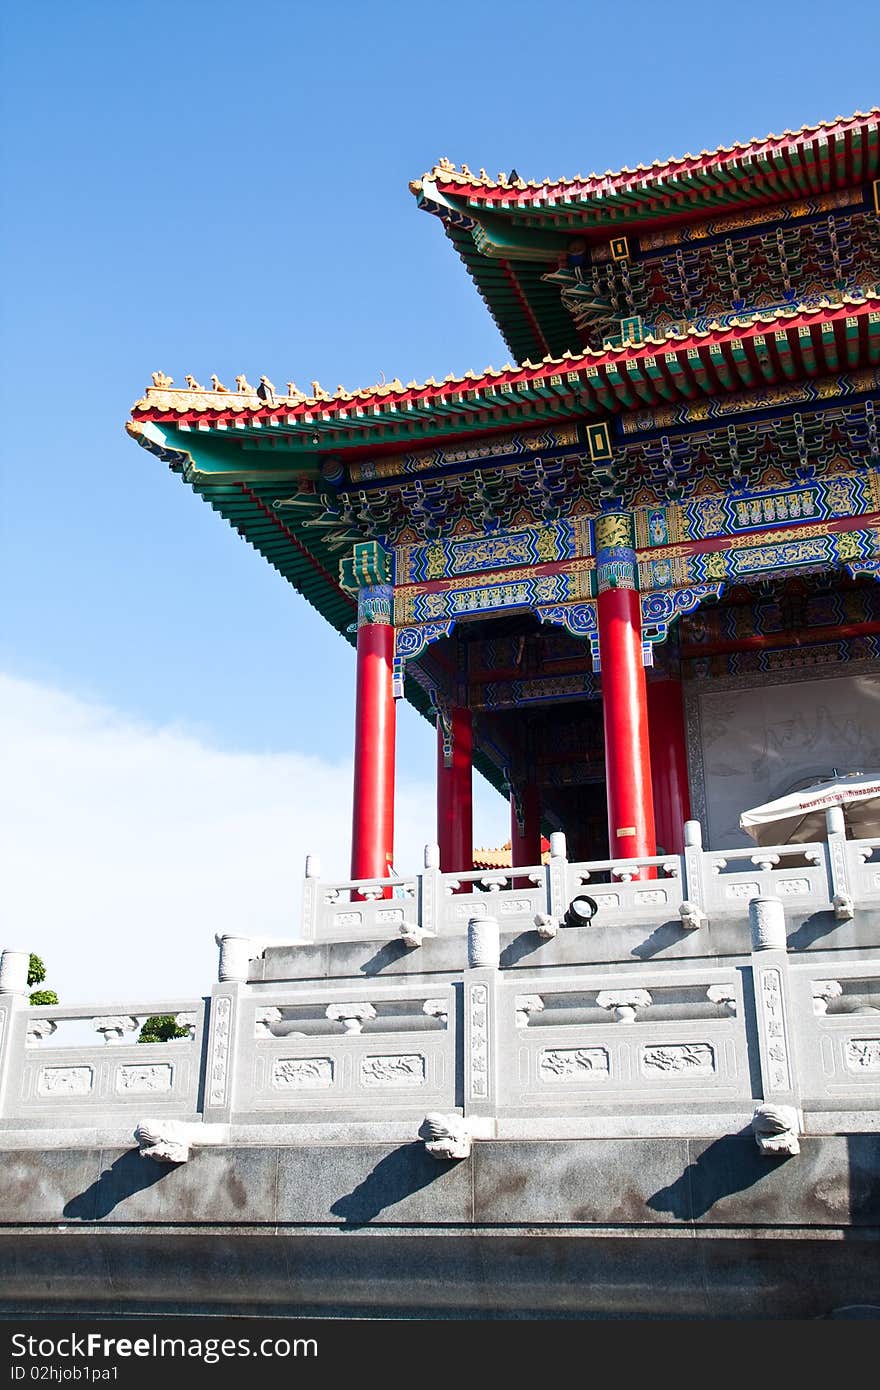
(449, 179)
(298, 410)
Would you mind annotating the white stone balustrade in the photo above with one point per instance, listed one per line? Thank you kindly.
(693, 889)
(38, 1029)
(113, 1027)
(508, 1003)
(351, 1016)
(624, 1004)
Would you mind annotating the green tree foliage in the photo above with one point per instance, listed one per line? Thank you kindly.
(36, 970)
(36, 975)
(161, 1028)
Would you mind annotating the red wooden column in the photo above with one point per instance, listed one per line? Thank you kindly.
(455, 814)
(669, 770)
(624, 698)
(372, 828)
(525, 825)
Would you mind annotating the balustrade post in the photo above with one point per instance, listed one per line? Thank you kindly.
(310, 899)
(557, 877)
(224, 1021)
(839, 889)
(773, 1008)
(481, 1017)
(224, 1025)
(429, 890)
(13, 998)
(694, 886)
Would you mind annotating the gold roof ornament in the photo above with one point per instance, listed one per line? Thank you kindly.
(217, 384)
(243, 385)
(161, 381)
(445, 171)
(192, 384)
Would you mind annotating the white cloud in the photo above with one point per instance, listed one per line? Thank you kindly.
(128, 846)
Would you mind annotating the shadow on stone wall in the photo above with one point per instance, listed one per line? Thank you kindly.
(129, 1174)
(729, 1165)
(398, 1175)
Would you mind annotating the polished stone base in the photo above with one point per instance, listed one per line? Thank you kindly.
(658, 1228)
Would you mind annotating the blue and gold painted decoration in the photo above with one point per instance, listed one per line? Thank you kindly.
(647, 421)
(810, 654)
(744, 222)
(657, 526)
(520, 443)
(375, 604)
(519, 589)
(447, 558)
(506, 653)
(808, 547)
(410, 642)
(577, 618)
(498, 695)
(599, 442)
(615, 551)
(660, 609)
(868, 567)
(814, 613)
(733, 514)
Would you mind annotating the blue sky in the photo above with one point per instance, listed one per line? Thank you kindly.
(200, 186)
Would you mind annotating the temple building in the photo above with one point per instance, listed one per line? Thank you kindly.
(573, 563)
(625, 1066)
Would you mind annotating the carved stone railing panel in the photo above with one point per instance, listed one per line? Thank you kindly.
(863, 859)
(689, 888)
(621, 895)
(400, 1060)
(349, 909)
(795, 873)
(575, 1067)
(513, 896)
(48, 1084)
(836, 1022)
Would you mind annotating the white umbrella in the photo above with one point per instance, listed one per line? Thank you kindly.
(800, 817)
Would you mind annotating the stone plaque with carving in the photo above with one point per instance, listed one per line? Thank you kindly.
(141, 1080)
(863, 1054)
(742, 890)
(65, 1081)
(579, 1063)
(302, 1073)
(691, 1059)
(407, 1069)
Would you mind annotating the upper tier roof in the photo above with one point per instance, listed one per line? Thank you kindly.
(510, 232)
